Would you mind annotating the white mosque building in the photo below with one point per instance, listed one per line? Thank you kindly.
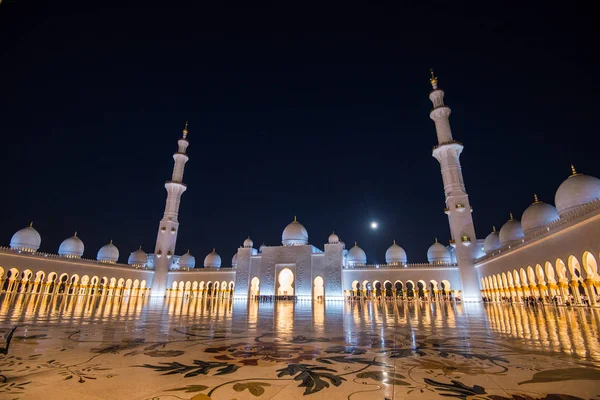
(552, 251)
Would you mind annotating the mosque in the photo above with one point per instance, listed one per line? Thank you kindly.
(552, 252)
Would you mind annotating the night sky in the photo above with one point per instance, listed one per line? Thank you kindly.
(318, 113)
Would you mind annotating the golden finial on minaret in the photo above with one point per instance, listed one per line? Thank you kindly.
(535, 198)
(110, 241)
(295, 219)
(355, 243)
(394, 241)
(573, 172)
(511, 217)
(188, 251)
(75, 234)
(433, 80)
(493, 228)
(214, 250)
(185, 130)
(31, 224)
(435, 238)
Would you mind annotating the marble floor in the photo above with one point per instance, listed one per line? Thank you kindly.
(71, 347)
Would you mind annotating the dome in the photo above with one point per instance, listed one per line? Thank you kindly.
(212, 260)
(438, 254)
(26, 239)
(356, 256)
(343, 245)
(511, 232)
(262, 246)
(395, 254)
(234, 260)
(333, 238)
(294, 234)
(187, 260)
(71, 247)
(575, 191)
(138, 258)
(108, 253)
(248, 243)
(492, 241)
(537, 215)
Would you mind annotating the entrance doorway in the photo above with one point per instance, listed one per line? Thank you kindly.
(318, 289)
(286, 282)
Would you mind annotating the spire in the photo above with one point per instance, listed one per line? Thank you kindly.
(75, 235)
(31, 224)
(433, 80)
(493, 228)
(214, 250)
(185, 130)
(394, 241)
(573, 171)
(535, 198)
(355, 243)
(511, 217)
(295, 219)
(436, 240)
(110, 241)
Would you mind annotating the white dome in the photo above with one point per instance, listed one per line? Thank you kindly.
(248, 243)
(333, 238)
(138, 257)
(438, 254)
(537, 215)
(395, 254)
(356, 256)
(187, 260)
(212, 260)
(492, 241)
(511, 232)
(575, 191)
(71, 247)
(26, 239)
(108, 253)
(262, 246)
(294, 234)
(234, 260)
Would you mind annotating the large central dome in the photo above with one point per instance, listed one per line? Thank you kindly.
(294, 234)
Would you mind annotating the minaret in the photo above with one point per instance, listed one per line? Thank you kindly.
(458, 208)
(169, 224)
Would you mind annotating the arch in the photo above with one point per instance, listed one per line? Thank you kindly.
(113, 282)
(254, 286)
(561, 269)
(445, 284)
(136, 284)
(355, 285)
(531, 275)
(121, 282)
(504, 280)
(549, 272)
(181, 285)
(574, 268)
(398, 287)
(509, 280)
(285, 281)
(128, 283)
(590, 266)
(188, 285)
(1, 272)
(318, 288)
(516, 277)
(174, 285)
(495, 281)
(410, 289)
(195, 285)
(231, 285)
(539, 273)
(523, 276)
(143, 284)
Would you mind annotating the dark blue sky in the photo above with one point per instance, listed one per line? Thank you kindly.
(311, 112)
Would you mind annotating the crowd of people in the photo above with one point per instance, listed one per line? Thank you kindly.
(272, 298)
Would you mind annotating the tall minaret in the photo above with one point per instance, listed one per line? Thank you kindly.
(169, 224)
(458, 208)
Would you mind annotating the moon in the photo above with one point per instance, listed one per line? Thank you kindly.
(373, 225)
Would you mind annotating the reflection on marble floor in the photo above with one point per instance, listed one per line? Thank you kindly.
(95, 347)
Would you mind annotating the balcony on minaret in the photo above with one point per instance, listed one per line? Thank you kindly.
(460, 207)
(465, 239)
(446, 210)
(452, 243)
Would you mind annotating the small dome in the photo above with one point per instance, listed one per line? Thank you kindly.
(438, 254)
(294, 234)
(108, 253)
(575, 191)
(248, 243)
(356, 256)
(343, 245)
(234, 260)
(262, 246)
(138, 258)
(26, 239)
(187, 260)
(511, 232)
(333, 238)
(212, 260)
(395, 255)
(71, 247)
(492, 242)
(537, 215)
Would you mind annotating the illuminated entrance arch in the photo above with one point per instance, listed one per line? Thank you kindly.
(286, 282)
(318, 289)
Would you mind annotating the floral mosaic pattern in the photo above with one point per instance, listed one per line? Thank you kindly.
(219, 359)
